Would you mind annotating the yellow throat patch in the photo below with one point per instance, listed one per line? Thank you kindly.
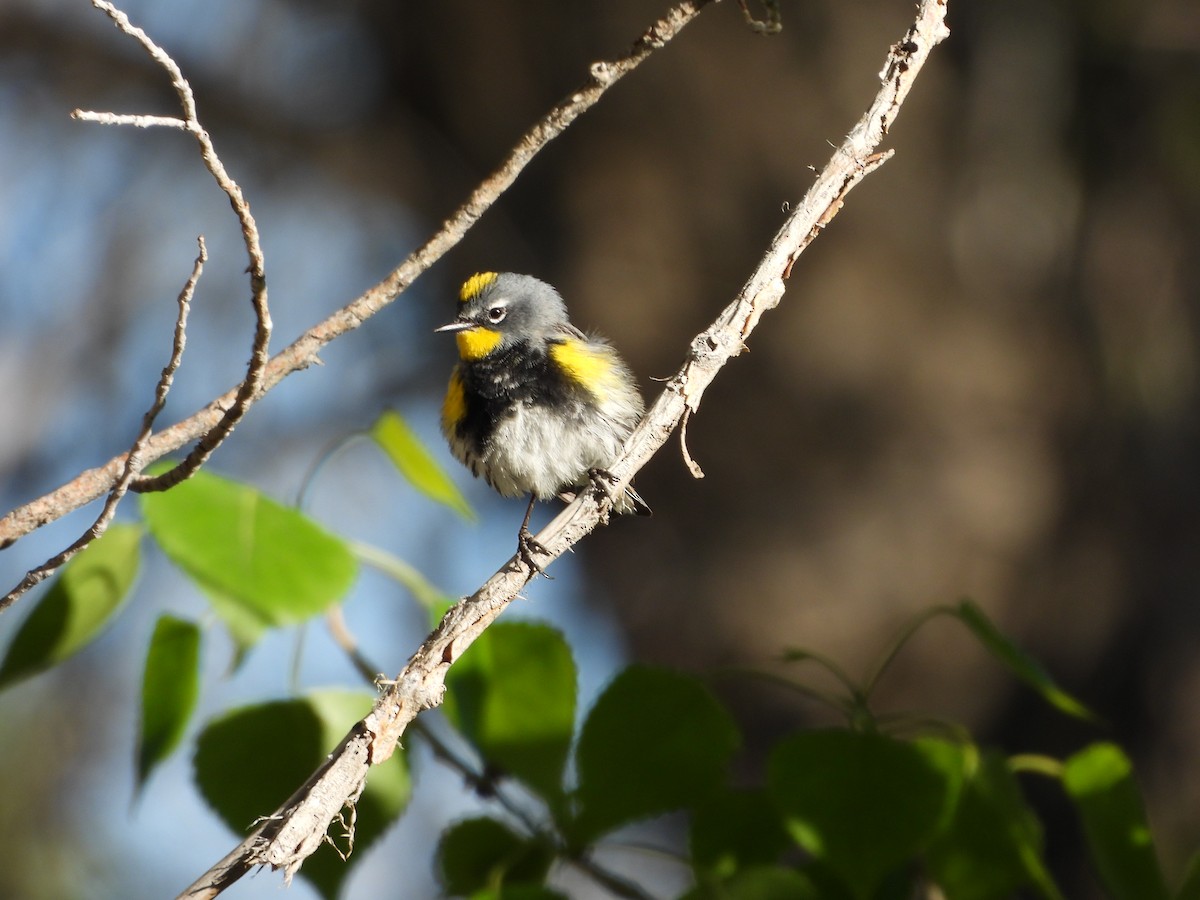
(473, 285)
(476, 343)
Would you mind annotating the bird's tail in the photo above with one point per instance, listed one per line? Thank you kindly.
(631, 501)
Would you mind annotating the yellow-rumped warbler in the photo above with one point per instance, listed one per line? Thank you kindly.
(534, 405)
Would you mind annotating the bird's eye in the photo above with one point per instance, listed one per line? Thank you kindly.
(496, 314)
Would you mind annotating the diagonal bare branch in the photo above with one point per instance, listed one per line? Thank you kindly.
(287, 837)
(303, 352)
(248, 391)
(130, 478)
(134, 459)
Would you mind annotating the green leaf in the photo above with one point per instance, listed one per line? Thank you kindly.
(273, 561)
(250, 760)
(408, 454)
(655, 741)
(1100, 780)
(759, 883)
(512, 694)
(993, 845)
(863, 803)
(1019, 662)
(81, 602)
(484, 855)
(170, 685)
(1189, 889)
(736, 829)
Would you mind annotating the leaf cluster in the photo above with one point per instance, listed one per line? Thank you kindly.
(873, 810)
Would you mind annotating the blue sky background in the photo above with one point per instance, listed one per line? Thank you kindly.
(983, 380)
(97, 233)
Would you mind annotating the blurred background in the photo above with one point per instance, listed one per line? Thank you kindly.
(982, 381)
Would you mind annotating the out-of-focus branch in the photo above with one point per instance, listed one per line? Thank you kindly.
(247, 392)
(134, 459)
(303, 352)
(287, 837)
(130, 468)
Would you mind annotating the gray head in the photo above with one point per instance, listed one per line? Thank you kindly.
(496, 310)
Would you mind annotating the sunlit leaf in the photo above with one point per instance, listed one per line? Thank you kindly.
(1100, 781)
(274, 561)
(81, 602)
(1018, 661)
(408, 454)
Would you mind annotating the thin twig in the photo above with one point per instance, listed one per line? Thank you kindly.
(142, 453)
(303, 352)
(134, 460)
(911, 628)
(335, 621)
(772, 23)
(135, 121)
(295, 830)
(692, 465)
(248, 391)
(845, 705)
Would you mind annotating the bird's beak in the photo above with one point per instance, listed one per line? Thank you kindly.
(456, 325)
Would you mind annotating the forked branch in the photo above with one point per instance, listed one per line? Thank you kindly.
(213, 423)
(127, 469)
(134, 460)
(247, 392)
(288, 836)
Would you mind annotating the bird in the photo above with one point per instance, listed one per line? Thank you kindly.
(534, 406)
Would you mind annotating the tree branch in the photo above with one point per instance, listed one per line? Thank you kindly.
(297, 828)
(134, 460)
(130, 468)
(248, 391)
(93, 483)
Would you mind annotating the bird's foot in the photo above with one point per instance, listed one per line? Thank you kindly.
(527, 547)
(603, 482)
(604, 485)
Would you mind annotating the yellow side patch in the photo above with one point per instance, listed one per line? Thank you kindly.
(454, 407)
(473, 285)
(476, 343)
(589, 368)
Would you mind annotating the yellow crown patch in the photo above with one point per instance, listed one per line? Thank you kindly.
(475, 284)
